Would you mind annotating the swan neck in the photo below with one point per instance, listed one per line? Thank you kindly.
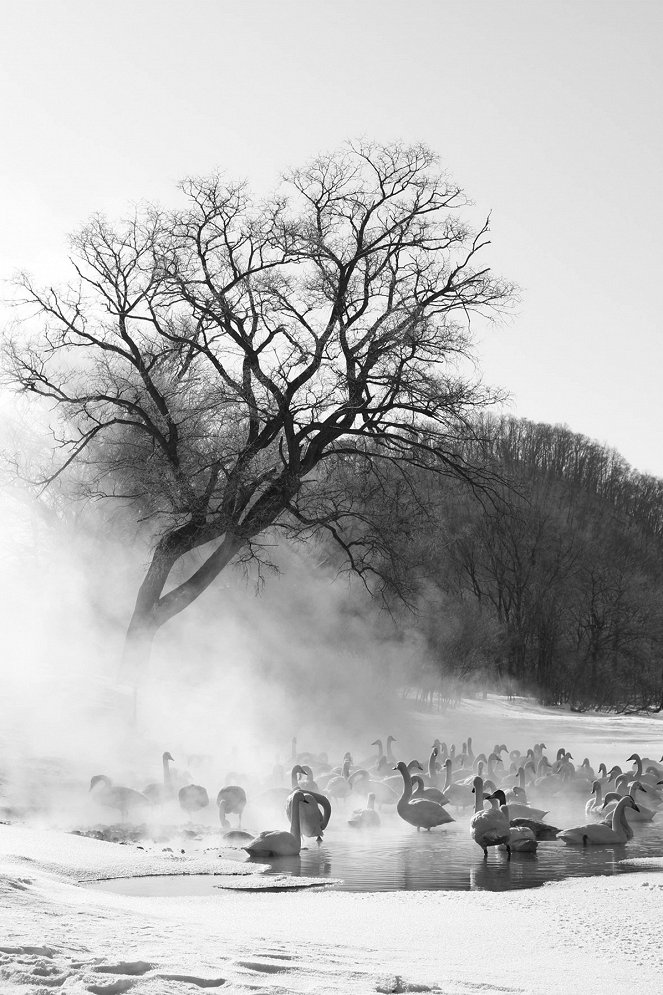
(407, 786)
(294, 820)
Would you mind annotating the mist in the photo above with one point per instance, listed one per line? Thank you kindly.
(260, 658)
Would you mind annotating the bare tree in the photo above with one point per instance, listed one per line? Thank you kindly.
(209, 364)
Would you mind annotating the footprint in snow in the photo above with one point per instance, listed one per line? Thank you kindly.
(191, 980)
(125, 967)
(115, 988)
(254, 965)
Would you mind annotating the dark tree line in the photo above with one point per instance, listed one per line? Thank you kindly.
(553, 587)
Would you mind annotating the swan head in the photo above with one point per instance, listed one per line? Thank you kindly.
(99, 779)
(477, 785)
(167, 756)
(402, 767)
(611, 796)
(377, 742)
(391, 739)
(299, 797)
(634, 757)
(499, 796)
(629, 803)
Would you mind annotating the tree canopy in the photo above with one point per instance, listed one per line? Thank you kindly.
(207, 365)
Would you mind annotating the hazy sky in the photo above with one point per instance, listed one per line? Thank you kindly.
(548, 114)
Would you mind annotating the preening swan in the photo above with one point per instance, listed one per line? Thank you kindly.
(116, 796)
(315, 817)
(423, 814)
(231, 800)
(192, 798)
(598, 834)
(278, 843)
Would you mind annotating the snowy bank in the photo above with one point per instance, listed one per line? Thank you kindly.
(579, 936)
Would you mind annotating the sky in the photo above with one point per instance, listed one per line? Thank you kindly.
(548, 115)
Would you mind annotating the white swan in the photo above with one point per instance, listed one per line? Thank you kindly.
(159, 793)
(522, 839)
(314, 819)
(419, 791)
(593, 808)
(278, 843)
(423, 814)
(487, 828)
(639, 814)
(598, 834)
(365, 818)
(192, 798)
(231, 800)
(116, 796)
(459, 795)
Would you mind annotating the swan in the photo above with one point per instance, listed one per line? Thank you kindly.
(231, 800)
(116, 796)
(424, 814)
(595, 802)
(362, 783)
(364, 818)
(158, 793)
(521, 838)
(309, 783)
(459, 795)
(274, 796)
(586, 770)
(339, 786)
(541, 830)
(487, 828)
(192, 798)
(314, 819)
(420, 791)
(277, 843)
(641, 814)
(638, 774)
(520, 810)
(598, 834)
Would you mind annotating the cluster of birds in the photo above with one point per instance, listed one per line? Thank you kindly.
(498, 787)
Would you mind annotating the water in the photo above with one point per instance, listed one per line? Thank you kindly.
(396, 857)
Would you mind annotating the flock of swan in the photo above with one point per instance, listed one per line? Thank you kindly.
(506, 796)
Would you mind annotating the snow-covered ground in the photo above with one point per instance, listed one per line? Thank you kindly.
(583, 936)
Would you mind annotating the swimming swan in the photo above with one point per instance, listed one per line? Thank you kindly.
(598, 834)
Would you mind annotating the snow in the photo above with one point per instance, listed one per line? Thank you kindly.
(57, 933)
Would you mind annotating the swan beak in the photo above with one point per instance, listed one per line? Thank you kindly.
(394, 768)
(636, 807)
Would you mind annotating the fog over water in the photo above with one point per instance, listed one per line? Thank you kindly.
(305, 653)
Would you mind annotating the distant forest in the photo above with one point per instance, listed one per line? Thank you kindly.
(549, 581)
